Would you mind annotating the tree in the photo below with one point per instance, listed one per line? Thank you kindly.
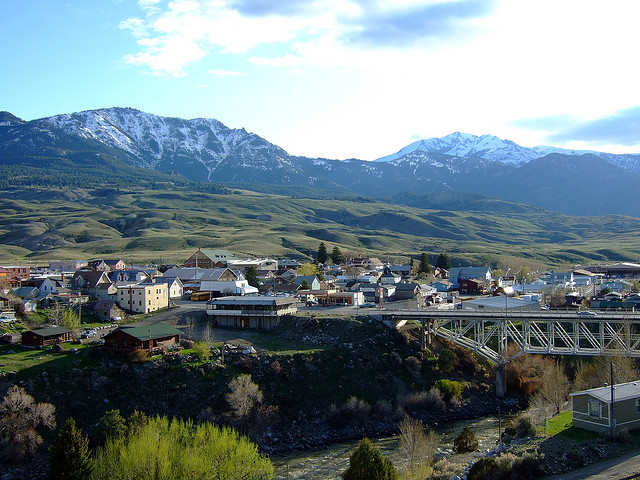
(308, 269)
(336, 256)
(20, 416)
(443, 261)
(181, 450)
(417, 448)
(367, 463)
(251, 274)
(322, 255)
(424, 267)
(466, 441)
(305, 285)
(595, 373)
(111, 425)
(69, 456)
(243, 396)
(554, 386)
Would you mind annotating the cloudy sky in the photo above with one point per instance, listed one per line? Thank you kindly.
(337, 78)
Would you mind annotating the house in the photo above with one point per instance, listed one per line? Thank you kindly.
(622, 269)
(340, 298)
(67, 265)
(150, 338)
(312, 281)
(46, 336)
(143, 297)
(262, 313)
(130, 275)
(402, 270)
(442, 285)
(87, 280)
(591, 409)
(407, 290)
(209, 258)
(481, 274)
(44, 285)
(107, 310)
(389, 278)
(289, 263)
(225, 281)
(175, 286)
(257, 263)
(471, 286)
(26, 293)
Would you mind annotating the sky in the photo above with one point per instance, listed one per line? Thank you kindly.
(337, 78)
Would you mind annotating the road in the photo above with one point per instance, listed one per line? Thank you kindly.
(621, 468)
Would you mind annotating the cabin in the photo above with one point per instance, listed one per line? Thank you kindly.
(46, 336)
(591, 409)
(150, 338)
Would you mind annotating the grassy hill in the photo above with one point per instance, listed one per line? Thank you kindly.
(156, 225)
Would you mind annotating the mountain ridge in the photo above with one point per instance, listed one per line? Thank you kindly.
(205, 150)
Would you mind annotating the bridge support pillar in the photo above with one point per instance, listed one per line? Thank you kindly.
(422, 335)
(501, 382)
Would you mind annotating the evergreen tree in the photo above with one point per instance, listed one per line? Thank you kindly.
(69, 456)
(251, 274)
(111, 425)
(336, 256)
(305, 285)
(322, 255)
(367, 463)
(443, 261)
(424, 267)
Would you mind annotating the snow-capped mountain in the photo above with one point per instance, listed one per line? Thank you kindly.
(171, 144)
(496, 149)
(109, 146)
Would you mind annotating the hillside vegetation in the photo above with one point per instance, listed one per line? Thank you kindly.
(166, 225)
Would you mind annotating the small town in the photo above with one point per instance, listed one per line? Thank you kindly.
(180, 315)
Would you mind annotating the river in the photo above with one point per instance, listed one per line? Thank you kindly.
(328, 463)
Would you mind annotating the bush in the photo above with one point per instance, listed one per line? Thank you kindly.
(354, 412)
(450, 389)
(367, 463)
(139, 356)
(465, 442)
(412, 364)
(484, 469)
(425, 400)
(447, 360)
(180, 450)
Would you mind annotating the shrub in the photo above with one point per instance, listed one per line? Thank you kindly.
(484, 469)
(354, 412)
(450, 389)
(447, 360)
(201, 350)
(139, 356)
(465, 442)
(412, 364)
(367, 463)
(425, 400)
(180, 450)
(69, 456)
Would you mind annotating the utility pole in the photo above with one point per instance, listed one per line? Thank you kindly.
(612, 420)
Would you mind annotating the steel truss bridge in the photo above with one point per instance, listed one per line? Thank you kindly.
(502, 336)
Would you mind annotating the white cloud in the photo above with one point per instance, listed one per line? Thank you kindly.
(226, 73)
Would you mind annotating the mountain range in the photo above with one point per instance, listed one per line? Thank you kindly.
(104, 143)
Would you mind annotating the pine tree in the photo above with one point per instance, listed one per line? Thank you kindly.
(424, 267)
(443, 261)
(69, 456)
(336, 256)
(367, 463)
(322, 255)
(251, 274)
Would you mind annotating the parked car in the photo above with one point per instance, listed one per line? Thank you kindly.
(368, 304)
(587, 313)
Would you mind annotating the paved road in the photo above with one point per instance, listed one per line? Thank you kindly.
(620, 468)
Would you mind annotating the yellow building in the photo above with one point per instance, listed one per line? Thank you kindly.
(143, 297)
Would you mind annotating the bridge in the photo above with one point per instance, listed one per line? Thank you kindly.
(493, 335)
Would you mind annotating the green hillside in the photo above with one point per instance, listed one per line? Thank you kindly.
(38, 224)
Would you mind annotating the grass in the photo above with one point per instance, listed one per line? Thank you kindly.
(151, 225)
(36, 360)
(561, 426)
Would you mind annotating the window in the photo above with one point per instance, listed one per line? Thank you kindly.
(637, 405)
(595, 409)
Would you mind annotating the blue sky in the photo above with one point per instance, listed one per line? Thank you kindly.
(337, 78)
